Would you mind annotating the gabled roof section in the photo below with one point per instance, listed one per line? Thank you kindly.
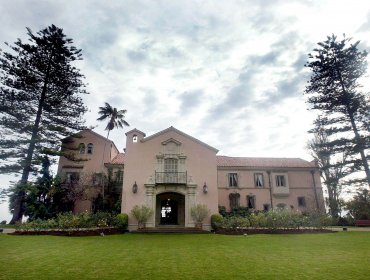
(225, 161)
(88, 131)
(91, 132)
(171, 128)
(118, 159)
(135, 130)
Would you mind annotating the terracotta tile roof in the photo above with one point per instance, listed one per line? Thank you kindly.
(118, 159)
(262, 162)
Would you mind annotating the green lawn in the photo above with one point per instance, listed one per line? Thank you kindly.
(343, 255)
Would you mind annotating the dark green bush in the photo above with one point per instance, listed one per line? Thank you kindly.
(238, 212)
(235, 222)
(222, 211)
(216, 221)
(121, 221)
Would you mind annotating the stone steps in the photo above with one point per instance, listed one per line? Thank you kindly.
(170, 230)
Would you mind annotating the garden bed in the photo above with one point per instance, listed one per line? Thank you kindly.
(270, 231)
(71, 232)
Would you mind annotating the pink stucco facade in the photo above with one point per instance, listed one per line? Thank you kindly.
(173, 170)
(87, 163)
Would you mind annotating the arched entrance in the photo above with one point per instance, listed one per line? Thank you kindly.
(170, 209)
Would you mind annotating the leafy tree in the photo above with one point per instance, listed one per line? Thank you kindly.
(332, 169)
(115, 120)
(40, 102)
(44, 198)
(39, 202)
(115, 117)
(334, 90)
(359, 206)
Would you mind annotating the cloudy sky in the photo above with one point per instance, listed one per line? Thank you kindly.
(230, 73)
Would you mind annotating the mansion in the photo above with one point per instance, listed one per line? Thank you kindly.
(171, 172)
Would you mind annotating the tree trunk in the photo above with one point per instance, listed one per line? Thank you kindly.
(19, 202)
(358, 142)
(354, 128)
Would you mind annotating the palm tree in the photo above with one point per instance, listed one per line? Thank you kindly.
(116, 117)
(116, 120)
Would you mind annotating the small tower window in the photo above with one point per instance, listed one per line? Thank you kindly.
(90, 148)
(81, 148)
(134, 138)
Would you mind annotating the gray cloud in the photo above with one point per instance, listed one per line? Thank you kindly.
(190, 101)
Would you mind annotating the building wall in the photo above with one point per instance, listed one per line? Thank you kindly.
(141, 162)
(103, 151)
(299, 184)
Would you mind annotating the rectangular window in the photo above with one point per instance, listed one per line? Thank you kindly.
(301, 201)
(280, 181)
(72, 177)
(170, 165)
(233, 179)
(170, 170)
(251, 201)
(258, 180)
(234, 200)
(266, 207)
(119, 176)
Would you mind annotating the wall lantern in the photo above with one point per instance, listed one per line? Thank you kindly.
(134, 188)
(205, 188)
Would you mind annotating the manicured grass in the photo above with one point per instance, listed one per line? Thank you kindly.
(343, 255)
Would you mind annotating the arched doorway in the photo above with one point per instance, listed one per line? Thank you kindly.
(170, 209)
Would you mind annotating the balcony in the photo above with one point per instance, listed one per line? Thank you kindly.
(171, 178)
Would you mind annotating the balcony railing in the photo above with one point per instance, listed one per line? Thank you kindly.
(170, 178)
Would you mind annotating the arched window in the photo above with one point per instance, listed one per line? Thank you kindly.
(90, 148)
(81, 148)
(134, 138)
(234, 200)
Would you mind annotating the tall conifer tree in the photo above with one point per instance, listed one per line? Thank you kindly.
(334, 90)
(40, 102)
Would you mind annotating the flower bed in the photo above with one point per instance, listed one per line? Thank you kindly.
(71, 232)
(250, 231)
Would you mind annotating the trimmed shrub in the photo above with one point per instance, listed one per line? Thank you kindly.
(318, 220)
(240, 212)
(121, 221)
(258, 220)
(3, 222)
(222, 211)
(199, 212)
(141, 214)
(235, 222)
(216, 221)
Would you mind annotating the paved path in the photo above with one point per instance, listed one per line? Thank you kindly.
(8, 230)
(350, 228)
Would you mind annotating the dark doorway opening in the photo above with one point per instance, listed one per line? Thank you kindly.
(170, 209)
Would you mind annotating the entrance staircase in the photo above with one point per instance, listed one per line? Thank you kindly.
(169, 229)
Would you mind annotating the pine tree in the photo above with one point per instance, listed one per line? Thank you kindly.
(332, 167)
(40, 102)
(334, 90)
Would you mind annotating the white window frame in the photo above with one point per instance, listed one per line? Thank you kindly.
(90, 148)
(280, 181)
(258, 180)
(232, 180)
(253, 200)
